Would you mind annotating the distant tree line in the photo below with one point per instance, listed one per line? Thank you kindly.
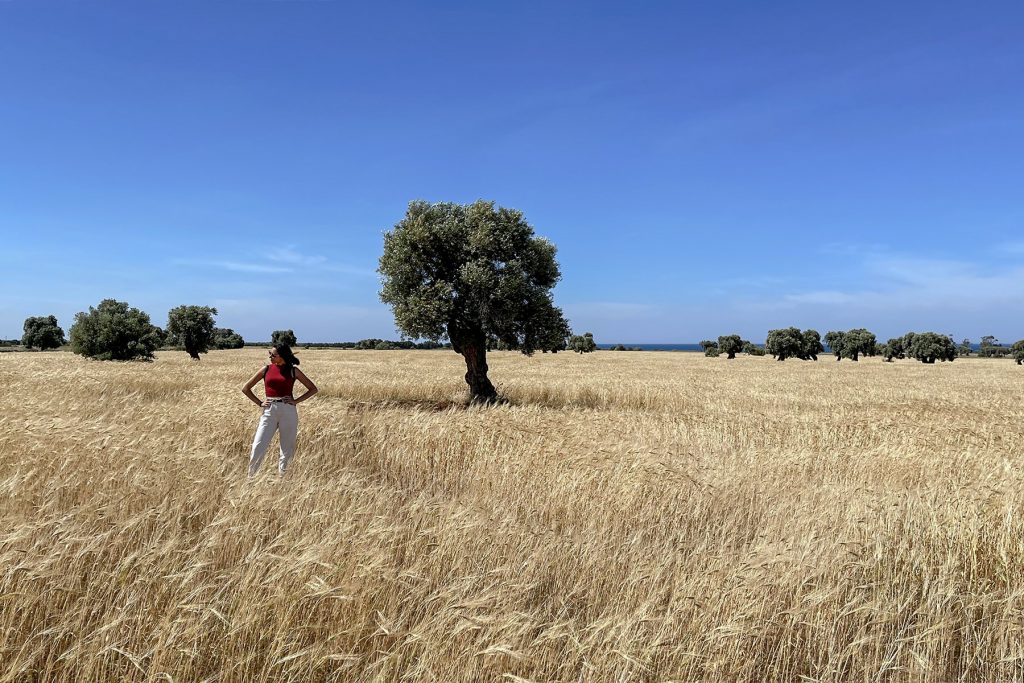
(927, 347)
(115, 331)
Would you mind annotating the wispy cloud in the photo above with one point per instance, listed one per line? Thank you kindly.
(234, 266)
(258, 317)
(284, 260)
(290, 255)
(899, 284)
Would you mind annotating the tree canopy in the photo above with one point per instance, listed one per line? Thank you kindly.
(283, 337)
(926, 347)
(991, 348)
(582, 343)
(192, 327)
(929, 347)
(811, 345)
(227, 338)
(851, 344)
(43, 333)
(730, 345)
(466, 272)
(114, 331)
(790, 342)
(1017, 351)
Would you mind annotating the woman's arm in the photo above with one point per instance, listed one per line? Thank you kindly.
(247, 389)
(311, 389)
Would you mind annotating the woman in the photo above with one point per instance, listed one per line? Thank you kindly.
(279, 412)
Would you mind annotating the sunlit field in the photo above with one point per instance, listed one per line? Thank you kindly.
(624, 517)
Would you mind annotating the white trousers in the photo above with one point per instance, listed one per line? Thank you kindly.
(278, 417)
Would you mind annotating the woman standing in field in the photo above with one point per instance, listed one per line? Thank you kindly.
(279, 412)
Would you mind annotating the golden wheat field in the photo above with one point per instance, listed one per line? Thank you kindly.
(625, 517)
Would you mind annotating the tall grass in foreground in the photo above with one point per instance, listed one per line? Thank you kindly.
(638, 516)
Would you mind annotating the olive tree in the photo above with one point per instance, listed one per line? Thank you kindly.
(929, 347)
(894, 348)
(42, 332)
(851, 344)
(192, 327)
(752, 349)
(811, 346)
(785, 343)
(463, 272)
(583, 343)
(114, 331)
(227, 338)
(730, 345)
(1017, 351)
(708, 347)
(283, 337)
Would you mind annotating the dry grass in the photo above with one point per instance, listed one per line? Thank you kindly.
(628, 516)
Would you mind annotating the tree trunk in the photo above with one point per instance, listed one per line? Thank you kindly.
(474, 350)
(731, 355)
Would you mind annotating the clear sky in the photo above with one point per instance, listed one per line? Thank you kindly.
(704, 168)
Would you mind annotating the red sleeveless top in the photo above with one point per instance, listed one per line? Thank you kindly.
(277, 383)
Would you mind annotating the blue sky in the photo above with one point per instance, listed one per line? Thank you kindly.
(703, 168)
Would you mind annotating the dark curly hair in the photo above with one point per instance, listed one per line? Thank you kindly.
(290, 359)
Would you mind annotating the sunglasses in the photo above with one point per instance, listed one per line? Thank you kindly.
(273, 354)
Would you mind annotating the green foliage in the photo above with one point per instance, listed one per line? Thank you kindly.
(894, 349)
(1017, 351)
(785, 343)
(161, 335)
(991, 348)
(752, 349)
(928, 347)
(834, 340)
(965, 348)
(790, 342)
(458, 271)
(192, 327)
(730, 345)
(708, 344)
(114, 331)
(470, 272)
(811, 345)
(582, 343)
(375, 344)
(618, 347)
(42, 333)
(851, 344)
(712, 352)
(283, 337)
(226, 338)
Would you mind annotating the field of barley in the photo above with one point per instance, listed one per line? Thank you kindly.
(624, 517)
